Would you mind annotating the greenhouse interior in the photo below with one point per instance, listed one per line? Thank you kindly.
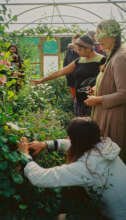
(56, 15)
(62, 109)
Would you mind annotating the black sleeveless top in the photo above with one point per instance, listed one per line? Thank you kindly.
(86, 69)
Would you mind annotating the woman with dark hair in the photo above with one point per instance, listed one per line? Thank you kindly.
(110, 96)
(97, 46)
(16, 66)
(85, 69)
(6, 65)
(92, 163)
(15, 56)
(71, 55)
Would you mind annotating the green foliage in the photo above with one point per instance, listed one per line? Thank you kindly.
(38, 113)
(50, 31)
(31, 112)
(20, 197)
(24, 201)
(28, 49)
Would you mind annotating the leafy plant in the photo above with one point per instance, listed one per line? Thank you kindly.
(38, 113)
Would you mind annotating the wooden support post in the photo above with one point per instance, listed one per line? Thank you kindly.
(59, 51)
(41, 40)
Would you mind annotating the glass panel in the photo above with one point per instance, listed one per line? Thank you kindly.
(29, 48)
(50, 64)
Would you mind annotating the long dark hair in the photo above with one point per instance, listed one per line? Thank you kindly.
(17, 53)
(84, 135)
(112, 28)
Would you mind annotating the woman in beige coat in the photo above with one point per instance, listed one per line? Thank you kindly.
(109, 101)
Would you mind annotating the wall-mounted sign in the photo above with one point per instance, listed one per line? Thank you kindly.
(50, 47)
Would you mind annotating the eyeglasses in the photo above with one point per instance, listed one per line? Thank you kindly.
(81, 46)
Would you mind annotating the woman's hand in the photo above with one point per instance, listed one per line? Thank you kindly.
(91, 90)
(37, 146)
(93, 100)
(23, 145)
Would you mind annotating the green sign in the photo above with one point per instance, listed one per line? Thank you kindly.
(50, 47)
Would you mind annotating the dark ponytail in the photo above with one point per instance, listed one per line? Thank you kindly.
(116, 47)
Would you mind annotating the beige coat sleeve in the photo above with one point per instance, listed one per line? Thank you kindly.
(119, 76)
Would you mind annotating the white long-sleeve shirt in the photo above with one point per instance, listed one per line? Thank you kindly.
(105, 169)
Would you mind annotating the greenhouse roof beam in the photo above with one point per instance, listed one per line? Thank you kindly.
(118, 6)
(66, 3)
(89, 11)
(122, 9)
(36, 21)
(53, 22)
(58, 10)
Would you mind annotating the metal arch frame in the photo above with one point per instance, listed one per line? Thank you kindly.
(43, 3)
(68, 5)
(121, 13)
(116, 5)
(58, 10)
(89, 11)
(54, 16)
(120, 9)
(93, 23)
(53, 11)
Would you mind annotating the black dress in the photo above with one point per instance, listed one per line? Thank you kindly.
(84, 72)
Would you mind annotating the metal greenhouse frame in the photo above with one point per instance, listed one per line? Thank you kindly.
(64, 13)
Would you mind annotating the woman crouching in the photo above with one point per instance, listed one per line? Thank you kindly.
(92, 163)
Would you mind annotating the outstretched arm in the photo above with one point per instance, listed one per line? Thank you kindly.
(66, 175)
(57, 145)
(74, 174)
(65, 71)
